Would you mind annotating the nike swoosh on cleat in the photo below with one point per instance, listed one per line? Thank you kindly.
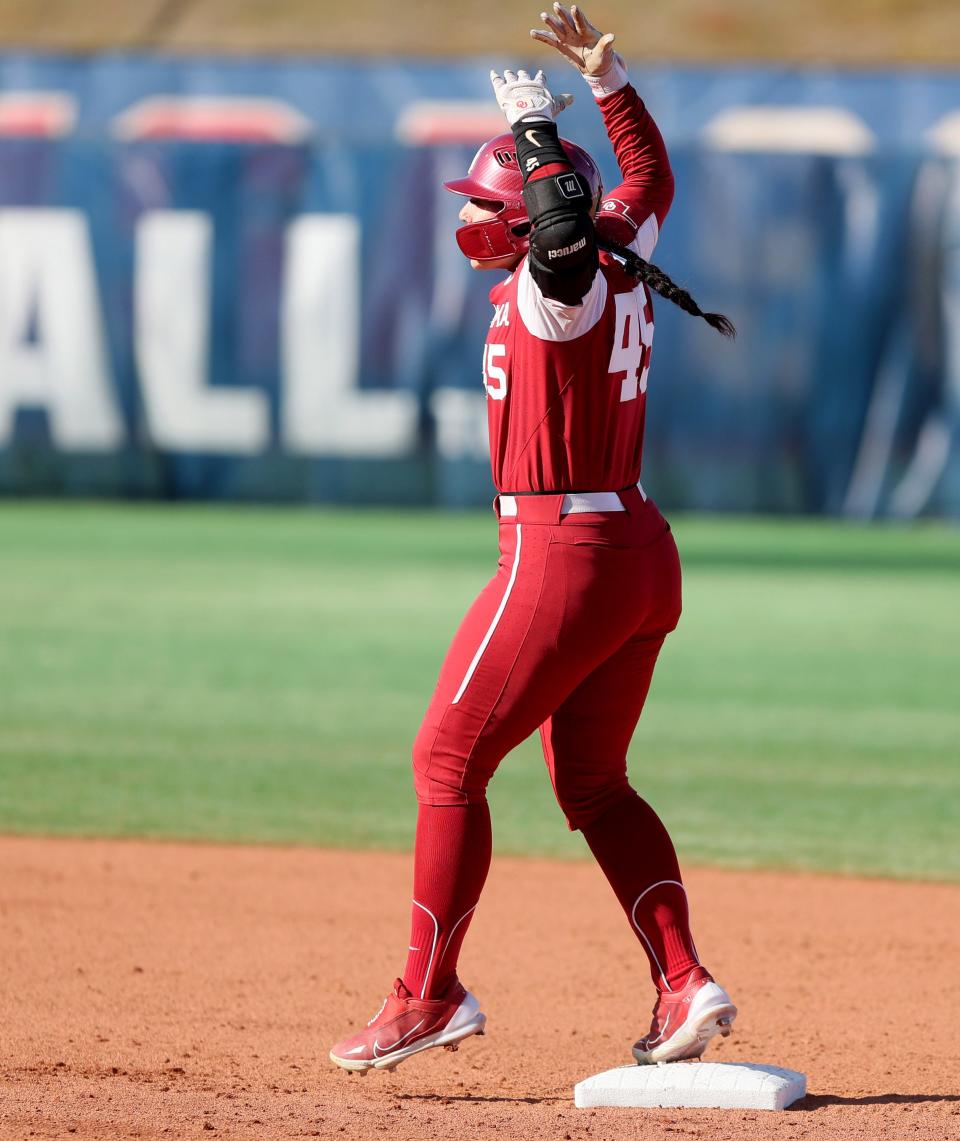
(659, 1037)
(378, 1051)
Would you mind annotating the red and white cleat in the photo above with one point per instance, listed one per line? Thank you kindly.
(685, 1020)
(405, 1025)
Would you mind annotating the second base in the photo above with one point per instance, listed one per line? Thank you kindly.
(693, 1085)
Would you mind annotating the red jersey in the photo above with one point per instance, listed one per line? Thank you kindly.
(566, 384)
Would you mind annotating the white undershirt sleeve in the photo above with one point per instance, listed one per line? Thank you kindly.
(551, 320)
(646, 238)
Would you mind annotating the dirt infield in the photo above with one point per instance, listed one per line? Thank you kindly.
(166, 991)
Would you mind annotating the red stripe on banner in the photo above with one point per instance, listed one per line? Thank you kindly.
(213, 120)
(37, 115)
(433, 123)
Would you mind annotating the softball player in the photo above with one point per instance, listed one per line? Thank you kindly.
(564, 638)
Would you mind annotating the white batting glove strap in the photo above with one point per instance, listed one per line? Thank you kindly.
(521, 97)
(612, 79)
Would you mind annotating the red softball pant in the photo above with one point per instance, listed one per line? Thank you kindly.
(563, 638)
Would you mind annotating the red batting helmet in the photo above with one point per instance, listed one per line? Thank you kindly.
(494, 175)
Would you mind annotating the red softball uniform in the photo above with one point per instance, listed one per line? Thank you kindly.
(566, 634)
(566, 385)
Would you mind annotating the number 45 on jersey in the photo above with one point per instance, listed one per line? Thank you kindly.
(632, 338)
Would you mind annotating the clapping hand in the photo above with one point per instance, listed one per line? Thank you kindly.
(572, 34)
(521, 97)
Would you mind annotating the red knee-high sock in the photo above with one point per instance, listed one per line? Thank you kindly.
(637, 856)
(450, 864)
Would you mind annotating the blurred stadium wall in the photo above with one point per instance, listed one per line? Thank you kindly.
(236, 278)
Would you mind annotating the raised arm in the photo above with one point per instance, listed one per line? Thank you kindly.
(563, 257)
(647, 187)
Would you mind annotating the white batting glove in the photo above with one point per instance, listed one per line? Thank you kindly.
(521, 97)
(586, 47)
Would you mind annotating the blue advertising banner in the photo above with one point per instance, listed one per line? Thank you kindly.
(227, 280)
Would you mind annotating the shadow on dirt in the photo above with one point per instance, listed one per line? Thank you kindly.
(819, 1100)
(480, 1098)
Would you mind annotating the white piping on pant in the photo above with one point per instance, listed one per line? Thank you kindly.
(633, 920)
(433, 949)
(493, 625)
(449, 939)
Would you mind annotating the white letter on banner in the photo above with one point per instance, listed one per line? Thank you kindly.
(324, 412)
(172, 341)
(52, 350)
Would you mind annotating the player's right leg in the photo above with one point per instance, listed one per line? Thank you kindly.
(585, 744)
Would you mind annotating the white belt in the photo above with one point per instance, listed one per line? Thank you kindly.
(575, 502)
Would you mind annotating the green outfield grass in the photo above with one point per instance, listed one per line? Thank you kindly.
(256, 674)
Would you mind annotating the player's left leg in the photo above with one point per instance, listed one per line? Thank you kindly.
(500, 678)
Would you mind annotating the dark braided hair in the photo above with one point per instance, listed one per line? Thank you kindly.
(660, 283)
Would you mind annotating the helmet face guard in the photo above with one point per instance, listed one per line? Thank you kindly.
(494, 176)
(492, 240)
